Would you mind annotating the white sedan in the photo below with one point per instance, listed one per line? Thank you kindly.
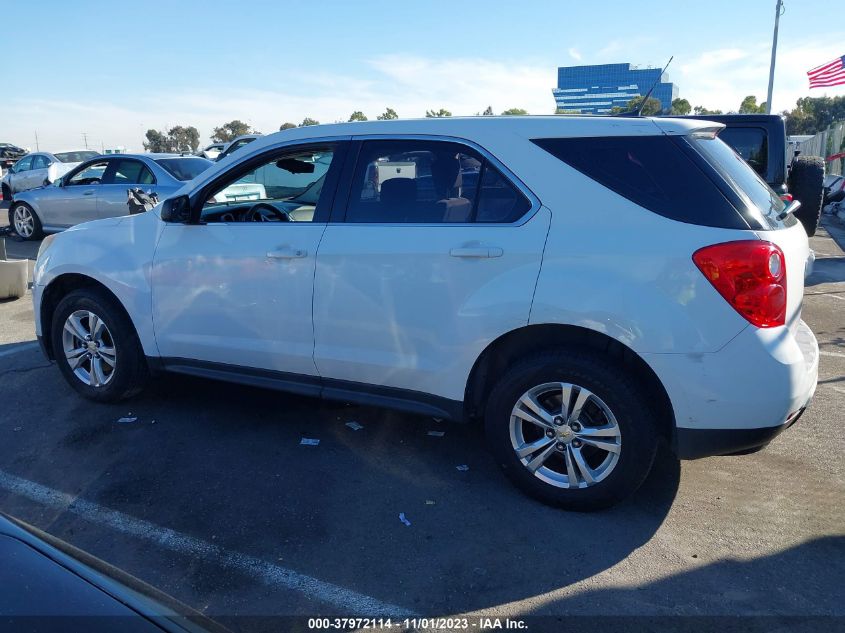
(41, 168)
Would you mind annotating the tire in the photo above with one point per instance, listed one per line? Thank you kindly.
(25, 221)
(612, 391)
(129, 373)
(806, 184)
(7, 193)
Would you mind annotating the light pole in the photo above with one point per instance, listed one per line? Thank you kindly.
(779, 11)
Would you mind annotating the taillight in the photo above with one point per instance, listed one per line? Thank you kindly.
(750, 275)
(786, 197)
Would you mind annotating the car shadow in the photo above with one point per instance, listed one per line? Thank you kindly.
(827, 270)
(796, 590)
(224, 462)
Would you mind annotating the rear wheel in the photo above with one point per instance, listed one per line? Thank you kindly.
(96, 347)
(25, 221)
(806, 184)
(571, 429)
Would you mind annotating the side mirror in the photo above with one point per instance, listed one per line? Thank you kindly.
(176, 210)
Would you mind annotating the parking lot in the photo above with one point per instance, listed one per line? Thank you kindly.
(205, 491)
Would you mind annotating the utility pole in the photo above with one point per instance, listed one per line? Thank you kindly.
(37, 148)
(779, 11)
(85, 139)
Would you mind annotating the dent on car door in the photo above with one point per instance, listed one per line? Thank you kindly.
(438, 255)
(235, 289)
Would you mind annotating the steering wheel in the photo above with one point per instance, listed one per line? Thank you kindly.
(264, 212)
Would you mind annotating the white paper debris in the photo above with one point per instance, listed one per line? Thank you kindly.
(307, 441)
(403, 519)
(463, 468)
(126, 420)
(355, 426)
(437, 433)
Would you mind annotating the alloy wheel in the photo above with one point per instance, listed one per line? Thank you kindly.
(565, 435)
(89, 348)
(23, 221)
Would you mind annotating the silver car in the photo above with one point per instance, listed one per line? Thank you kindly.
(97, 189)
(39, 168)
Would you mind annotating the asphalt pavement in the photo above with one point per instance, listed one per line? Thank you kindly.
(205, 491)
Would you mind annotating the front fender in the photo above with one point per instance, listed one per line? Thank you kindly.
(116, 253)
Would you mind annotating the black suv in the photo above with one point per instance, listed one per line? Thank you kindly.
(10, 154)
(761, 140)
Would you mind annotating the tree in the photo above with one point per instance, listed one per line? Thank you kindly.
(433, 114)
(229, 131)
(286, 126)
(184, 139)
(812, 115)
(357, 116)
(176, 139)
(488, 111)
(652, 106)
(681, 107)
(388, 115)
(749, 106)
(308, 121)
(701, 110)
(514, 112)
(156, 141)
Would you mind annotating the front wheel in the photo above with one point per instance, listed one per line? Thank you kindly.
(571, 429)
(25, 221)
(96, 347)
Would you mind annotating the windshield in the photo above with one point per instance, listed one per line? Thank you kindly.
(184, 169)
(742, 178)
(75, 157)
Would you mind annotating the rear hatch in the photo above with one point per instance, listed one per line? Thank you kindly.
(765, 212)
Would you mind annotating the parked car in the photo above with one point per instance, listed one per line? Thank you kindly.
(761, 140)
(41, 168)
(237, 144)
(211, 152)
(97, 189)
(834, 189)
(9, 154)
(604, 284)
(50, 586)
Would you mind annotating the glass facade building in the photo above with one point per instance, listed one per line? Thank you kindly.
(596, 89)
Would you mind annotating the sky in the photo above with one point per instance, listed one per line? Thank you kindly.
(111, 70)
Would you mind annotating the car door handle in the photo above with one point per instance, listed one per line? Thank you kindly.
(478, 252)
(88, 193)
(287, 253)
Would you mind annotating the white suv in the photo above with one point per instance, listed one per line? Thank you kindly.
(585, 286)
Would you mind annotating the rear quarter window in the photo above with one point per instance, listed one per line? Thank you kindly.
(652, 171)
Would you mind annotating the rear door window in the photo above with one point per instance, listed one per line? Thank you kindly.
(652, 171)
(131, 172)
(39, 161)
(412, 181)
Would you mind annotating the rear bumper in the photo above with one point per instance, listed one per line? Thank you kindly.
(698, 443)
(742, 396)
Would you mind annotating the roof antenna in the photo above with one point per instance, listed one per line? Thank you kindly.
(638, 111)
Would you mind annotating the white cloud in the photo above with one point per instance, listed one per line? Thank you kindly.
(409, 84)
(574, 54)
(721, 78)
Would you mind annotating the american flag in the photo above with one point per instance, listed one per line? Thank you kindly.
(829, 74)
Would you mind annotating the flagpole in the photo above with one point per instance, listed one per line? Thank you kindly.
(778, 13)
